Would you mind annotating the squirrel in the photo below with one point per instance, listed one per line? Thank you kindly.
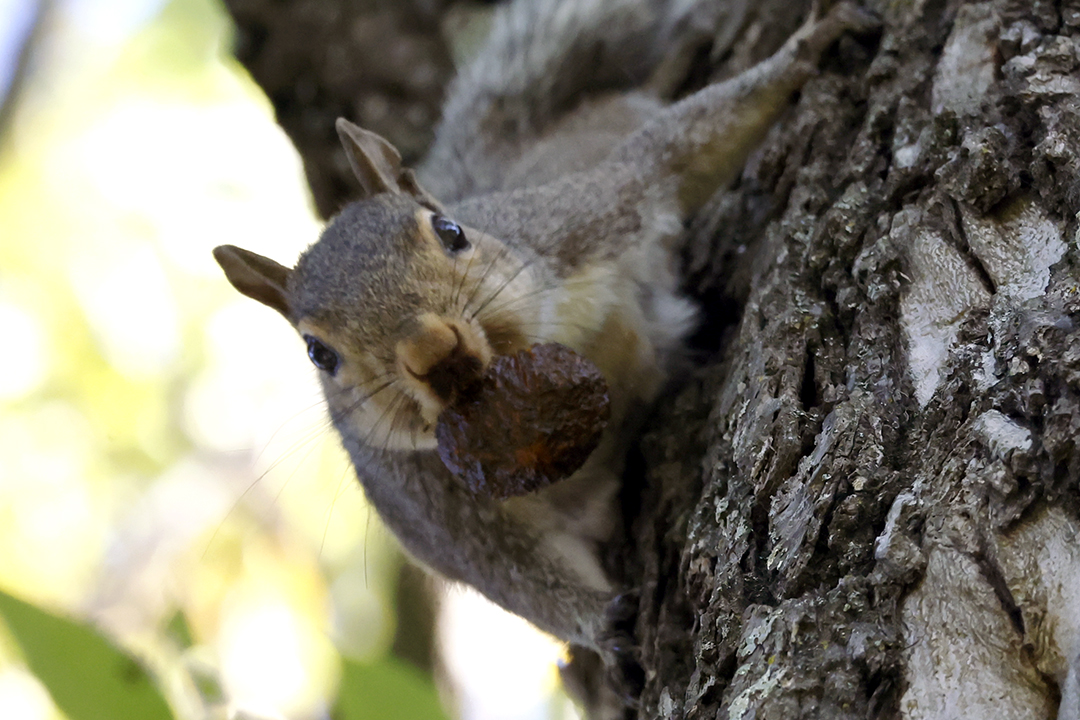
(412, 290)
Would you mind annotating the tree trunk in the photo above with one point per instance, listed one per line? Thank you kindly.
(865, 502)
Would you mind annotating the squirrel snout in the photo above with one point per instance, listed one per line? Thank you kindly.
(444, 357)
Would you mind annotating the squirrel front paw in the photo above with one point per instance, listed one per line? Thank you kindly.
(622, 654)
(585, 679)
(823, 27)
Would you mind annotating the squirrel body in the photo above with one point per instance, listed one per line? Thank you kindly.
(405, 299)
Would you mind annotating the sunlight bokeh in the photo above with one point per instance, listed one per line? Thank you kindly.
(164, 450)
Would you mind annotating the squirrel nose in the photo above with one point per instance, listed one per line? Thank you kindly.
(446, 355)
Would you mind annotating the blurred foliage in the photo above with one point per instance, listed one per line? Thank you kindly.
(385, 691)
(86, 675)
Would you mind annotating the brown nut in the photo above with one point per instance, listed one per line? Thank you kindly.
(535, 418)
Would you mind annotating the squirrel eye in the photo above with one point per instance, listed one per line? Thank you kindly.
(450, 233)
(323, 357)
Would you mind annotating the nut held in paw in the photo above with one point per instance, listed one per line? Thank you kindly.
(534, 420)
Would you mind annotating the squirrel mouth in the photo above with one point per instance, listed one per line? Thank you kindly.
(455, 375)
(455, 378)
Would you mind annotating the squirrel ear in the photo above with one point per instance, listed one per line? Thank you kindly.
(377, 164)
(258, 277)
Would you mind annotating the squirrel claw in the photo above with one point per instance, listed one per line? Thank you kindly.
(823, 27)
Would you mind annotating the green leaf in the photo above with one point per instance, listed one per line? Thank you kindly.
(87, 676)
(179, 630)
(386, 690)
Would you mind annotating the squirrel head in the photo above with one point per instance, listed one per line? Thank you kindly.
(402, 308)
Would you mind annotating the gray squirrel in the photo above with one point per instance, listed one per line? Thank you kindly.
(547, 211)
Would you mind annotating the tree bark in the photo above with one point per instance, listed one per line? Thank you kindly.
(884, 521)
(865, 502)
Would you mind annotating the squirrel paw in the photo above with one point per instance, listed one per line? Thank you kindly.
(823, 27)
(622, 654)
(586, 682)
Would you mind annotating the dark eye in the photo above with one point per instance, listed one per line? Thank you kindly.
(450, 233)
(323, 357)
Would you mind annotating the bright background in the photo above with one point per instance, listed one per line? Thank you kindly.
(165, 459)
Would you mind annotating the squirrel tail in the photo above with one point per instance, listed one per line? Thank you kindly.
(541, 59)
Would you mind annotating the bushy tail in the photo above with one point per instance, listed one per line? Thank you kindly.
(541, 59)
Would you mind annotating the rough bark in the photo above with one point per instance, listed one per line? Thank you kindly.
(865, 503)
(884, 521)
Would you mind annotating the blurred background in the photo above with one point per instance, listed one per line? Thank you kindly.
(167, 471)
